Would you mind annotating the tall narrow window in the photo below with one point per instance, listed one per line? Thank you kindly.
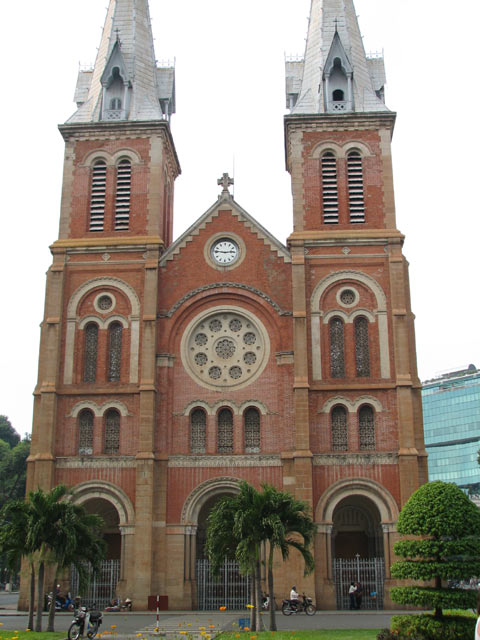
(337, 348)
(356, 199)
(252, 430)
(366, 423)
(91, 348)
(97, 196)
(112, 431)
(339, 429)
(225, 431)
(122, 197)
(85, 437)
(362, 350)
(198, 424)
(114, 351)
(329, 188)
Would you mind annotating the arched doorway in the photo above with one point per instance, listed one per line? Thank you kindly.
(229, 588)
(356, 529)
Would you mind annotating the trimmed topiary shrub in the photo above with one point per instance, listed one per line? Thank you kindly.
(427, 627)
(449, 524)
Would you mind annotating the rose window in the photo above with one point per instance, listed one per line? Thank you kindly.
(104, 303)
(347, 297)
(225, 348)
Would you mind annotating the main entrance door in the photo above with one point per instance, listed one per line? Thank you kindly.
(369, 572)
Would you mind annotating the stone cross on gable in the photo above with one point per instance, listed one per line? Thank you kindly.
(225, 181)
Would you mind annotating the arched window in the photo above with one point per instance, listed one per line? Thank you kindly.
(114, 351)
(329, 188)
(115, 104)
(337, 348)
(366, 424)
(225, 431)
(251, 419)
(85, 433)
(122, 195)
(91, 348)
(362, 349)
(356, 199)
(97, 195)
(198, 425)
(338, 95)
(112, 431)
(339, 429)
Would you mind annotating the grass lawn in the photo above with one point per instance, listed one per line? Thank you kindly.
(30, 635)
(320, 634)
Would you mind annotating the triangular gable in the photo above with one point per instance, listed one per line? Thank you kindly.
(115, 60)
(225, 202)
(337, 50)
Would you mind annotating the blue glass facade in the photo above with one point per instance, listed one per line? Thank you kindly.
(451, 418)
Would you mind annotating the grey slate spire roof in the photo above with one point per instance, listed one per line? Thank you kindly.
(305, 78)
(127, 44)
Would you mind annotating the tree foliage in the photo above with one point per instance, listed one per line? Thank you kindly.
(13, 462)
(8, 433)
(449, 524)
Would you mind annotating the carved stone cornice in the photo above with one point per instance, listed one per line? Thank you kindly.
(358, 459)
(224, 461)
(87, 462)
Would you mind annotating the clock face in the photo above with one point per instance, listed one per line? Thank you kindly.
(224, 251)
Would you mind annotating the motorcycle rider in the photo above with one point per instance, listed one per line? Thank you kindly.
(294, 597)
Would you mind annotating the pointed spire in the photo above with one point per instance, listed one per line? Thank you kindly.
(125, 83)
(334, 47)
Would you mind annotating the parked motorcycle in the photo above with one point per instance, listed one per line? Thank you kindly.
(66, 603)
(118, 605)
(85, 621)
(288, 607)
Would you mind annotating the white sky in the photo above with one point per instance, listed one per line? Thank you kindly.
(230, 104)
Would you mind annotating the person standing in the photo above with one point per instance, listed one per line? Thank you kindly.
(351, 595)
(358, 595)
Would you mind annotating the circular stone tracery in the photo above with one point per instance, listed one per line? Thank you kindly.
(225, 348)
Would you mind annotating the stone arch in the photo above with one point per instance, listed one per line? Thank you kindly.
(351, 405)
(380, 312)
(199, 496)
(92, 489)
(72, 307)
(333, 496)
(256, 404)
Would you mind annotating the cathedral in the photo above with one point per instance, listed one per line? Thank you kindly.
(171, 370)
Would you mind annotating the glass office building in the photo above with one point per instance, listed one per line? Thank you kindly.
(451, 418)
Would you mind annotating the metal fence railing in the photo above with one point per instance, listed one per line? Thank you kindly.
(369, 572)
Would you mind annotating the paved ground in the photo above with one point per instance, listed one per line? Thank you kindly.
(128, 624)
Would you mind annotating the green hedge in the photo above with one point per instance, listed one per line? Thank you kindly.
(430, 598)
(426, 627)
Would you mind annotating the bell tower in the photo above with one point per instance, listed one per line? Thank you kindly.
(357, 395)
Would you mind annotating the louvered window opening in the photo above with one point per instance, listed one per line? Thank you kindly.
(122, 196)
(114, 351)
(337, 348)
(225, 432)
(85, 439)
(356, 198)
(97, 198)
(252, 431)
(329, 189)
(362, 348)
(112, 431)
(91, 348)
(339, 429)
(366, 419)
(198, 426)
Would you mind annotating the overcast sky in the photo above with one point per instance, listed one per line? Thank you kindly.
(230, 105)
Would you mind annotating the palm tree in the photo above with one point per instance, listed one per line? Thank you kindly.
(13, 542)
(77, 542)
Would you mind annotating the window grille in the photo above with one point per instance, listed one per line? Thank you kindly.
(114, 351)
(122, 197)
(85, 439)
(356, 199)
(252, 430)
(91, 347)
(112, 431)
(225, 431)
(366, 420)
(329, 188)
(337, 348)
(362, 350)
(97, 196)
(198, 424)
(339, 429)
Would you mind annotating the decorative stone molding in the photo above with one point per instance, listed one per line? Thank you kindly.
(86, 491)
(351, 405)
(88, 462)
(223, 285)
(211, 409)
(215, 486)
(165, 359)
(357, 459)
(251, 460)
(99, 410)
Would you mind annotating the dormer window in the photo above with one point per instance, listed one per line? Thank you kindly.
(116, 87)
(115, 104)
(338, 78)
